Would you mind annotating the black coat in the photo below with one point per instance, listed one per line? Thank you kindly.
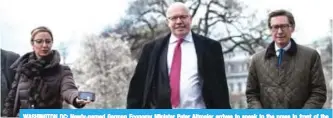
(149, 87)
(7, 74)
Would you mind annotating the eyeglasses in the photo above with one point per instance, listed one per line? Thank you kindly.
(40, 41)
(283, 27)
(181, 17)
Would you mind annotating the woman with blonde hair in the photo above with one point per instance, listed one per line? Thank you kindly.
(41, 82)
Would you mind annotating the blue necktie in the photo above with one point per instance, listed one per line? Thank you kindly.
(280, 56)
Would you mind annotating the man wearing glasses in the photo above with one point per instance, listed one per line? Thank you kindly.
(285, 75)
(181, 70)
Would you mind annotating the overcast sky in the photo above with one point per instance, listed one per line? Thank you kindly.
(71, 20)
(311, 16)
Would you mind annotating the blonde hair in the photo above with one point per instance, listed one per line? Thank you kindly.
(40, 29)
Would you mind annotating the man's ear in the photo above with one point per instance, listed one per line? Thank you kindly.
(167, 22)
(292, 29)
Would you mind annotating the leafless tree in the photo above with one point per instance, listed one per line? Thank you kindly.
(324, 46)
(105, 67)
(222, 20)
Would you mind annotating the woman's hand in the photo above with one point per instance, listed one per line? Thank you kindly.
(82, 102)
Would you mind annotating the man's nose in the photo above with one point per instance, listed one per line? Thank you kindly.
(178, 20)
(279, 30)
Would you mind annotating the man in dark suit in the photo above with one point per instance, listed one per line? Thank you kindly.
(181, 70)
(7, 75)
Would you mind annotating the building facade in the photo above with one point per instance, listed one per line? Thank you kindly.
(236, 65)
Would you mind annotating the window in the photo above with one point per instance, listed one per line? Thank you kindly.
(232, 68)
(229, 68)
(231, 87)
(240, 87)
(245, 66)
(240, 67)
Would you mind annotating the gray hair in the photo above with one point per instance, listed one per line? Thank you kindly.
(177, 4)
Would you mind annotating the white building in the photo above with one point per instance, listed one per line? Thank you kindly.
(236, 65)
(322, 46)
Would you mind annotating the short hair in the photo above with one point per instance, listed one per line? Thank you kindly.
(177, 4)
(281, 12)
(40, 29)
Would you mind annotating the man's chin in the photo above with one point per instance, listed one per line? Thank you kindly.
(282, 40)
(180, 31)
(182, 34)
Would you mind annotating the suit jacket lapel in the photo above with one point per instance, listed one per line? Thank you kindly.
(161, 78)
(164, 63)
(199, 48)
(163, 56)
(163, 82)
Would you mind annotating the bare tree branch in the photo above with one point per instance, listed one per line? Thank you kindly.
(195, 9)
(206, 28)
(221, 19)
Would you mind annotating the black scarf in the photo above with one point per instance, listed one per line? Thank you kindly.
(32, 70)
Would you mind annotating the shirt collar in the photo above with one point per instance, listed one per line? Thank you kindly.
(285, 48)
(188, 38)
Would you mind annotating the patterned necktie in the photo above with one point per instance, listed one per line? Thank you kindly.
(175, 74)
(280, 56)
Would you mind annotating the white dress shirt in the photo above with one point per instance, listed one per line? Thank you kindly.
(190, 84)
(285, 48)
